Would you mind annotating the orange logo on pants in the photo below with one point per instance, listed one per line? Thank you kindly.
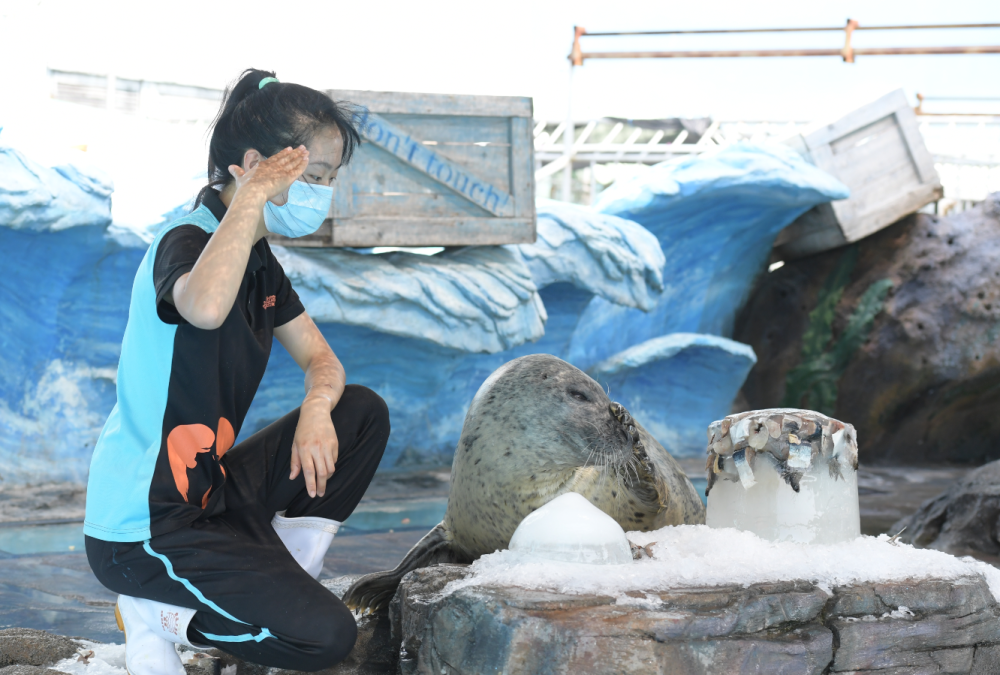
(187, 441)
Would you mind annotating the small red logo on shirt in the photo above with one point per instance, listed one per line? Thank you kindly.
(269, 301)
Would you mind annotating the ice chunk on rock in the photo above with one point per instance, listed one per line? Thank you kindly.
(571, 529)
(785, 475)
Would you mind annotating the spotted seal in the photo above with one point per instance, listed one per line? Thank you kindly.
(539, 427)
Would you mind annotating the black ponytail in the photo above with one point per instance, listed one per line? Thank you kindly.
(279, 116)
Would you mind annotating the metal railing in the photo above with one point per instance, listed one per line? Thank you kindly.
(966, 148)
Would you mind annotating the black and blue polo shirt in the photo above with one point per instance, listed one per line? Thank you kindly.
(183, 392)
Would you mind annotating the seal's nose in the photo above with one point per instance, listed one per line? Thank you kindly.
(626, 421)
(621, 414)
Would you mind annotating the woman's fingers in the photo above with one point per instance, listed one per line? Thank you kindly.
(276, 173)
(321, 477)
(324, 467)
(309, 473)
(296, 463)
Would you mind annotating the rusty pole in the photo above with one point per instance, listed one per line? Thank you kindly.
(789, 30)
(869, 51)
(847, 53)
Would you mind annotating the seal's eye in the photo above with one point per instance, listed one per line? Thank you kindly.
(579, 396)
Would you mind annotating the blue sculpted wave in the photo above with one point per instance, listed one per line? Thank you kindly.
(716, 217)
(63, 314)
(677, 384)
(684, 243)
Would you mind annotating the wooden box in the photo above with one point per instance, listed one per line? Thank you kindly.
(433, 170)
(876, 151)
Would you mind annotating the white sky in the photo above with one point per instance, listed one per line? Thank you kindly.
(508, 47)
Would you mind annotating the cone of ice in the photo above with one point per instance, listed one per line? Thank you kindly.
(571, 529)
(785, 475)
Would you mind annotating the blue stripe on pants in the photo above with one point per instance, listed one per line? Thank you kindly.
(264, 633)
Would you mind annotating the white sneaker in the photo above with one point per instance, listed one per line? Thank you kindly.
(307, 539)
(151, 630)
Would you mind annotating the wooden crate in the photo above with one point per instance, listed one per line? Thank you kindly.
(433, 170)
(876, 151)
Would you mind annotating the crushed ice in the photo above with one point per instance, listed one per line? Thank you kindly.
(107, 659)
(695, 555)
(96, 658)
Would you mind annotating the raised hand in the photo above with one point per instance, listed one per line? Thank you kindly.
(273, 176)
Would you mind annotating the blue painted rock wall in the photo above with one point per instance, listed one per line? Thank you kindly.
(454, 318)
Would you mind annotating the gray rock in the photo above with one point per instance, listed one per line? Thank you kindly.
(788, 627)
(30, 647)
(896, 334)
(963, 520)
(242, 667)
(986, 660)
(202, 663)
(945, 622)
(339, 585)
(28, 670)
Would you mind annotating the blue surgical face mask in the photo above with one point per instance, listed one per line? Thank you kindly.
(306, 209)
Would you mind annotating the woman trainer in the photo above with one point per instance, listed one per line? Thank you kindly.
(210, 543)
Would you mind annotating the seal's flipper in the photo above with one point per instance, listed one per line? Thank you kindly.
(374, 591)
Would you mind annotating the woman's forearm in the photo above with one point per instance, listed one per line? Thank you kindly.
(206, 294)
(325, 379)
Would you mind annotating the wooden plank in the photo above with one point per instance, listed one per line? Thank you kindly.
(380, 184)
(435, 170)
(522, 169)
(862, 117)
(421, 157)
(904, 204)
(436, 104)
(479, 144)
(922, 159)
(874, 163)
(454, 130)
(433, 232)
(322, 237)
(878, 153)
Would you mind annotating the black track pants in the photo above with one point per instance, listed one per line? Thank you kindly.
(253, 600)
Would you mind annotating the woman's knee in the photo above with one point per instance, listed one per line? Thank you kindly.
(335, 644)
(368, 405)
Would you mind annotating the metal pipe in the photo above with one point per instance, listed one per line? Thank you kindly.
(959, 98)
(865, 51)
(786, 30)
(566, 193)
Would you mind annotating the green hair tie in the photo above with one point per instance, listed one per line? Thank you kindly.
(266, 80)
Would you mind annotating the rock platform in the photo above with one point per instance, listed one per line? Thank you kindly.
(918, 627)
(925, 626)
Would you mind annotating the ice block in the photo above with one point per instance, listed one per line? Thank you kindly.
(785, 475)
(571, 529)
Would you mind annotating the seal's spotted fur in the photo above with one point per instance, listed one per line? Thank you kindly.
(539, 427)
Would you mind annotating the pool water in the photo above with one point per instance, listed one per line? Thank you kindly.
(381, 516)
(31, 539)
(368, 517)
